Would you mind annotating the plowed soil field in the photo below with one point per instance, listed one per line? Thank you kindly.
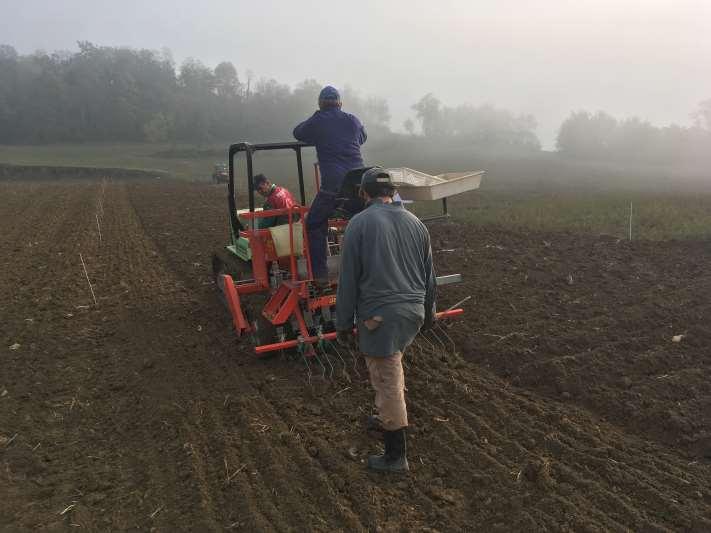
(568, 407)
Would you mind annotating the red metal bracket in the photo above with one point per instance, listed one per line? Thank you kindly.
(322, 301)
(238, 319)
(283, 303)
(265, 348)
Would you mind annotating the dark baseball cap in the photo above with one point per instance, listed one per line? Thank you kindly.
(376, 175)
(329, 93)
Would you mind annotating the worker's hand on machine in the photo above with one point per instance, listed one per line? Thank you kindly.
(347, 339)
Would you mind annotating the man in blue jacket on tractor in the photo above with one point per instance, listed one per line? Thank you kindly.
(337, 137)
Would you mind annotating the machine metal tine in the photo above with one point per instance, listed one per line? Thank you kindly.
(355, 362)
(323, 368)
(412, 352)
(433, 331)
(343, 361)
(301, 350)
(459, 303)
(418, 345)
(308, 367)
(328, 360)
(431, 348)
(449, 339)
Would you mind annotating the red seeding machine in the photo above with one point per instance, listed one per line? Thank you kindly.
(264, 276)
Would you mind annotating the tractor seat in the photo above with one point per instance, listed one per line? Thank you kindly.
(349, 202)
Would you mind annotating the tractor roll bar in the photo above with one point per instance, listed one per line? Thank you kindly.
(249, 150)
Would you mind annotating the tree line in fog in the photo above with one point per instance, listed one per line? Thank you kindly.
(602, 136)
(103, 93)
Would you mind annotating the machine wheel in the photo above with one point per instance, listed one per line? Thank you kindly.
(223, 262)
(264, 332)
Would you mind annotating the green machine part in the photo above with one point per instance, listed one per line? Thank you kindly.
(241, 249)
(240, 246)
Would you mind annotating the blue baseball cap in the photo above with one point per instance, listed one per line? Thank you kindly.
(329, 93)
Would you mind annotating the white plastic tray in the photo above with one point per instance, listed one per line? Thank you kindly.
(416, 185)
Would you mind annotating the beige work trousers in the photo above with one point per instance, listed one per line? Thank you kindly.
(388, 380)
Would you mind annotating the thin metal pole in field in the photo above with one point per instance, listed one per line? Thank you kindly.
(87, 279)
(630, 220)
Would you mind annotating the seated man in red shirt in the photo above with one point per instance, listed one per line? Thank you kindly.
(276, 198)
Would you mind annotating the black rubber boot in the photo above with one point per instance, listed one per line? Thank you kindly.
(373, 423)
(395, 457)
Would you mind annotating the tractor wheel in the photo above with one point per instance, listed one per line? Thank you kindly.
(263, 331)
(224, 262)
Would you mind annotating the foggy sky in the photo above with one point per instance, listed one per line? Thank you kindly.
(648, 58)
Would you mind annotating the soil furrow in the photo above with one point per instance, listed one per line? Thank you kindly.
(144, 412)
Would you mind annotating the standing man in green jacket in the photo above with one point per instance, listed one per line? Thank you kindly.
(386, 289)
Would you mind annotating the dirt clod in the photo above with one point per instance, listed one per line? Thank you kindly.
(537, 471)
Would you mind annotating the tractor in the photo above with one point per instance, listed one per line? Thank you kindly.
(264, 276)
(219, 173)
